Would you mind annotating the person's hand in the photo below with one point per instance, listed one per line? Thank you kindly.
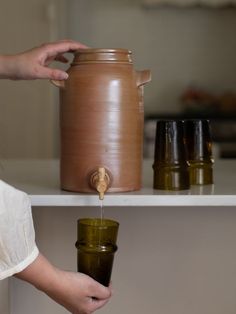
(34, 63)
(77, 292)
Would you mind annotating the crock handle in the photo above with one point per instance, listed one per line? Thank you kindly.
(60, 84)
(143, 77)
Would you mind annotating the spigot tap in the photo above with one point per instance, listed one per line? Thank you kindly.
(100, 181)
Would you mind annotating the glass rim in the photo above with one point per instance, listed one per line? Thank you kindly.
(96, 222)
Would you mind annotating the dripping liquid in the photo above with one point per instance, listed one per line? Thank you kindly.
(101, 219)
(101, 211)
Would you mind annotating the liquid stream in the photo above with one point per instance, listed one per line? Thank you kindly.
(101, 211)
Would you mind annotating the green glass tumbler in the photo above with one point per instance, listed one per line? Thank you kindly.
(96, 246)
(171, 169)
(199, 151)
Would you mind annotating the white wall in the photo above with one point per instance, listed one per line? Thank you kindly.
(181, 47)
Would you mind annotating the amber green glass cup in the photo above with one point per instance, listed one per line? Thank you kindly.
(96, 247)
(199, 151)
(171, 169)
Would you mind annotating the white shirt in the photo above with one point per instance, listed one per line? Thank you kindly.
(17, 237)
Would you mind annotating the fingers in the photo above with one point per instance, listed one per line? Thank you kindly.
(100, 292)
(97, 304)
(85, 295)
(49, 73)
(50, 52)
(61, 58)
(73, 44)
(61, 47)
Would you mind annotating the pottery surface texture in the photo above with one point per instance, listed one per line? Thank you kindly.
(101, 120)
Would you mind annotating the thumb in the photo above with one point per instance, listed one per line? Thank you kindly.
(101, 292)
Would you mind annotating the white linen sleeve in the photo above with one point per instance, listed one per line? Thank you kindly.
(17, 237)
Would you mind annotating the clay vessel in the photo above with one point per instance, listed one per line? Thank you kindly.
(101, 122)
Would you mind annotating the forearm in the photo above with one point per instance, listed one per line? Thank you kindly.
(33, 274)
(7, 67)
(43, 276)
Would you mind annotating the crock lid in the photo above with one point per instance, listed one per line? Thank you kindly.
(102, 55)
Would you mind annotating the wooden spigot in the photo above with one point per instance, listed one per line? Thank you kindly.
(100, 180)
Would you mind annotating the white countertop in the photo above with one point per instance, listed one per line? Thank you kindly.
(40, 179)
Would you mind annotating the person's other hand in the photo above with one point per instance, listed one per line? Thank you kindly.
(34, 63)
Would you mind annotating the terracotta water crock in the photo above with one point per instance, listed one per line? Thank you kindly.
(101, 122)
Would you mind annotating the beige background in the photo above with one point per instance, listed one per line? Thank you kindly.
(28, 109)
(181, 47)
(170, 260)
